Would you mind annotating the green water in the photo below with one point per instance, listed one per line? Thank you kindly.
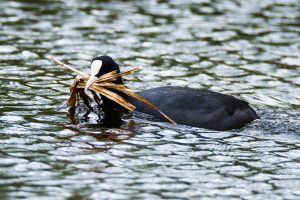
(249, 49)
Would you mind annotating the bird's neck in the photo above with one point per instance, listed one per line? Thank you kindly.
(109, 104)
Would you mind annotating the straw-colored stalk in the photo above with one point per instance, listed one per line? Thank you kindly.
(103, 86)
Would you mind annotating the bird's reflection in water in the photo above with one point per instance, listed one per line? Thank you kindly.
(108, 127)
(106, 117)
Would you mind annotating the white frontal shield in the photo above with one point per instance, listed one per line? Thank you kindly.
(95, 68)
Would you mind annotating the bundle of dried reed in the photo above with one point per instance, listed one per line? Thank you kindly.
(103, 86)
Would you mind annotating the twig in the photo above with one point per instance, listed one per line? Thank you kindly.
(69, 67)
(102, 86)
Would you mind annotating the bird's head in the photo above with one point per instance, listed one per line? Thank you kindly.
(102, 65)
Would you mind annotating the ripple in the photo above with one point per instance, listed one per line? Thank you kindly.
(7, 49)
(11, 119)
(291, 61)
(186, 58)
(249, 49)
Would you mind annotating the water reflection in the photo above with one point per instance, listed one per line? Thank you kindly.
(249, 49)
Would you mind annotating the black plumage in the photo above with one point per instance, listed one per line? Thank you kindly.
(193, 107)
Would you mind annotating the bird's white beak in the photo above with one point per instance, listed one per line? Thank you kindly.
(91, 80)
(95, 68)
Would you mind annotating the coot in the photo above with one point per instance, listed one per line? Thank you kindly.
(187, 106)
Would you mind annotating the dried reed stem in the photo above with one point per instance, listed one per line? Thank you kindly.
(102, 86)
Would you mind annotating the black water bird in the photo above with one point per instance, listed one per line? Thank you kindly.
(187, 106)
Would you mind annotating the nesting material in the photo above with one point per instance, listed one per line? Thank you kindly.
(104, 86)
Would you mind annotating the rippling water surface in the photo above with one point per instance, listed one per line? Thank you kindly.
(249, 49)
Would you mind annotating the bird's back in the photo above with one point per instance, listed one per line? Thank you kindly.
(197, 108)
